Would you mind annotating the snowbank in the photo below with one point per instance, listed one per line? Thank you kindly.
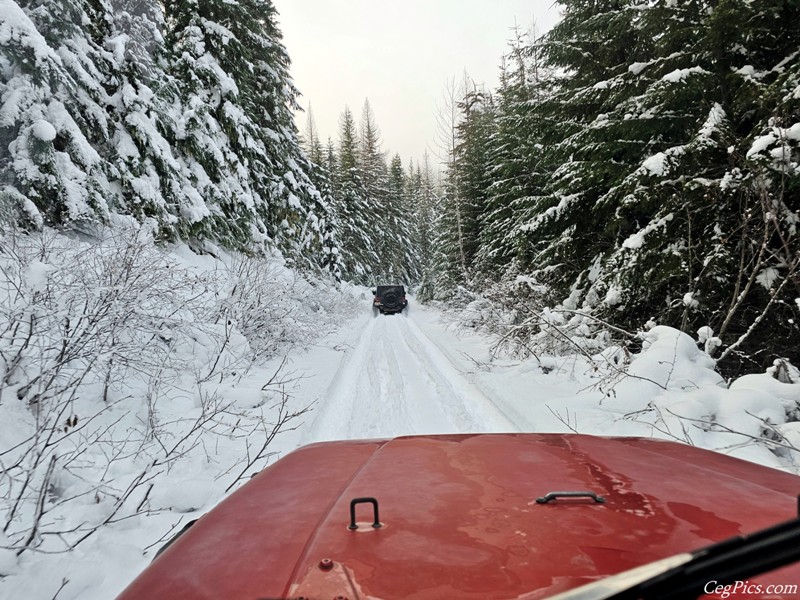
(670, 389)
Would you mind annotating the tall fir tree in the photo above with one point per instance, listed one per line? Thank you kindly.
(311, 142)
(425, 200)
(321, 175)
(53, 119)
(390, 230)
(371, 161)
(179, 114)
(358, 253)
(142, 110)
(518, 169)
(233, 77)
(466, 195)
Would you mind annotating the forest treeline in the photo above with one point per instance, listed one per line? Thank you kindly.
(383, 209)
(179, 114)
(636, 164)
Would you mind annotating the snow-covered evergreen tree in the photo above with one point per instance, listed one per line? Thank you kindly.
(148, 177)
(465, 191)
(384, 197)
(693, 229)
(371, 160)
(654, 171)
(216, 137)
(322, 177)
(517, 165)
(53, 123)
(423, 196)
(310, 140)
(586, 153)
(237, 135)
(177, 113)
(358, 253)
(401, 220)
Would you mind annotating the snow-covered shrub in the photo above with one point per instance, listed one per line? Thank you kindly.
(522, 315)
(123, 370)
(275, 308)
(673, 387)
(659, 378)
(85, 326)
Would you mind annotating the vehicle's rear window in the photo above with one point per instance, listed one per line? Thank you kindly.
(383, 289)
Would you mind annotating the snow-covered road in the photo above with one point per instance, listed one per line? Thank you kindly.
(387, 376)
(396, 381)
(415, 373)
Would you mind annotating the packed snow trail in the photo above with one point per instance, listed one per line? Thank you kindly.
(396, 381)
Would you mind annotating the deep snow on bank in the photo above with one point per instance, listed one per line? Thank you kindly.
(203, 349)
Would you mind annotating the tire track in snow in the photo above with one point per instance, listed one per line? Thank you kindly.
(329, 418)
(470, 403)
(397, 382)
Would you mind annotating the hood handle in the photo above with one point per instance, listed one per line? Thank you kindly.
(376, 522)
(554, 495)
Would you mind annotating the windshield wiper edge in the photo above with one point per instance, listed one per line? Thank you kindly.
(688, 575)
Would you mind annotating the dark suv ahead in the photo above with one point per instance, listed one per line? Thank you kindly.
(389, 299)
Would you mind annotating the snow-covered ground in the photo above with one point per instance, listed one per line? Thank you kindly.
(418, 374)
(172, 432)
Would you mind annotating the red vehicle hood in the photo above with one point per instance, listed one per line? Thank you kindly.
(460, 519)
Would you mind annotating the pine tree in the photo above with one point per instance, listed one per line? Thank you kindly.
(517, 163)
(424, 199)
(332, 164)
(390, 229)
(592, 47)
(371, 167)
(248, 175)
(661, 131)
(396, 184)
(321, 175)
(53, 118)
(348, 144)
(470, 177)
(404, 260)
(370, 158)
(143, 162)
(724, 210)
(701, 191)
(213, 50)
(358, 253)
(311, 142)
(179, 114)
(396, 209)
(329, 225)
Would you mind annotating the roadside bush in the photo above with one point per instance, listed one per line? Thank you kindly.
(121, 368)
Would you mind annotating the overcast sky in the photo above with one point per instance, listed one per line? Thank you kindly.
(399, 54)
